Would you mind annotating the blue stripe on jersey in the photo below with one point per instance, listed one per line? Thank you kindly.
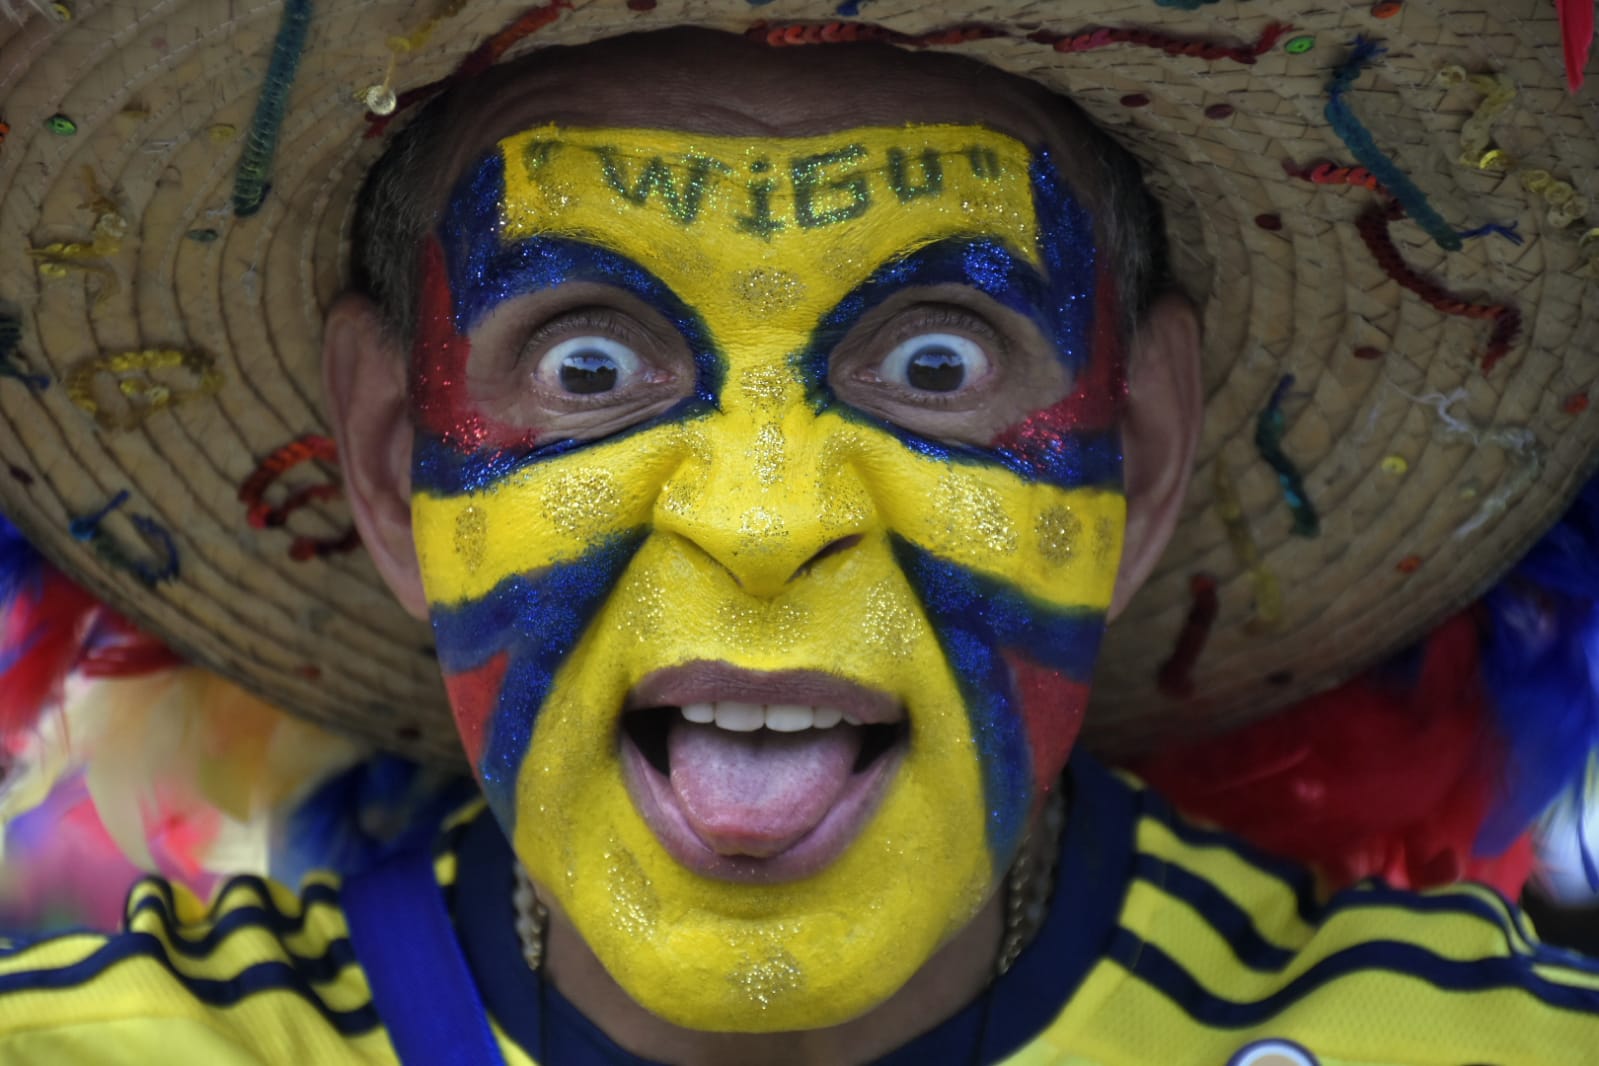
(325, 967)
(1295, 878)
(1504, 919)
(1163, 973)
(215, 992)
(261, 914)
(1227, 918)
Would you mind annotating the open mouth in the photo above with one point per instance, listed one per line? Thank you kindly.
(757, 777)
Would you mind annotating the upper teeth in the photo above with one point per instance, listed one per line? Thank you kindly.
(780, 717)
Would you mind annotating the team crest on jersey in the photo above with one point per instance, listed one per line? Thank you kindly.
(1273, 1053)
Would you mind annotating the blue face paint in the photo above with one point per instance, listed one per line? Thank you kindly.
(1062, 304)
(482, 272)
(978, 620)
(534, 621)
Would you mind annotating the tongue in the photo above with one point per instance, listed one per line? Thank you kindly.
(758, 793)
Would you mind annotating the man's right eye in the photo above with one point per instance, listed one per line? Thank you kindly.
(588, 366)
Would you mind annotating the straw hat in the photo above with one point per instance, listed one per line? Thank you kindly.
(175, 199)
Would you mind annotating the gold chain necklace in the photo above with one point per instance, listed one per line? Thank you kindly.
(1028, 886)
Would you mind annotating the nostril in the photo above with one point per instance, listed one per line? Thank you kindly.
(831, 548)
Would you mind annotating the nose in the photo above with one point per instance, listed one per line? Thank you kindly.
(767, 506)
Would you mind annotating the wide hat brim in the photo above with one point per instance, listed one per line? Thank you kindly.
(161, 344)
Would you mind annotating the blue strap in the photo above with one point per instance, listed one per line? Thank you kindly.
(420, 983)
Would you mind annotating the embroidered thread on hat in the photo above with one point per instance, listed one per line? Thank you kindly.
(90, 529)
(787, 34)
(11, 364)
(311, 447)
(1518, 443)
(1359, 140)
(1268, 592)
(1270, 426)
(1565, 205)
(59, 258)
(1175, 678)
(142, 382)
(478, 60)
(1373, 227)
(255, 162)
(1477, 149)
(1326, 172)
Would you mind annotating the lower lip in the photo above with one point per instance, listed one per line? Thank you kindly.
(658, 804)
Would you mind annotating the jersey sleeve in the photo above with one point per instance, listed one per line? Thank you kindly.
(262, 976)
(1223, 955)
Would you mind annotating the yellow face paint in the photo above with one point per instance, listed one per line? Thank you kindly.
(775, 518)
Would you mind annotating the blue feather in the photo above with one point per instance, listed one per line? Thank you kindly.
(357, 818)
(1541, 666)
(21, 566)
(21, 573)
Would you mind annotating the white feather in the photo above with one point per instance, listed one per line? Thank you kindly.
(1567, 843)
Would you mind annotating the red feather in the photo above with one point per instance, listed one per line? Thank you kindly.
(1371, 779)
(42, 636)
(1576, 34)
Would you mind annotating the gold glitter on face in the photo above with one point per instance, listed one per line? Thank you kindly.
(973, 512)
(766, 455)
(583, 503)
(764, 387)
(682, 491)
(774, 624)
(760, 531)
(648, 610)
(775, 974)
(764, 531)
(1105, 538)
(845, 505)
(768, 291)
(891, 624)
(471, 536)
(1059, 532)
(635, 907)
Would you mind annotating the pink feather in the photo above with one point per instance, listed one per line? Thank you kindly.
(1576, 33)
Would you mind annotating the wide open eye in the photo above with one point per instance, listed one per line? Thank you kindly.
(588, 365)
(947, 364)
(935, 362)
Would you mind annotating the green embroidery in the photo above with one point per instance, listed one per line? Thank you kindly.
(656, 176)
(810, 177)
(932, 175)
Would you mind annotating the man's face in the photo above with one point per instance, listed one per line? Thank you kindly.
(767, 500)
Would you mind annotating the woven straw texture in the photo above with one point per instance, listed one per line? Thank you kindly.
(119, 235)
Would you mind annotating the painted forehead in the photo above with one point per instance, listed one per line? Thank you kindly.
(786, 228)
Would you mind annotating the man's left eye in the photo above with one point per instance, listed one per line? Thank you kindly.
(586, 366)
(934, 362)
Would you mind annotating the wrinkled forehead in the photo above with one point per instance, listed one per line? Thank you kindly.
(768, 230)
(725, 84)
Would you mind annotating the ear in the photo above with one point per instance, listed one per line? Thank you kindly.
(364, 376)
(1160, 435)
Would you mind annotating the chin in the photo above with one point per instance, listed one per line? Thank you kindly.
(869, 850)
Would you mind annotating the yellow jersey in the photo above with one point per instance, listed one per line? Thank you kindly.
(1165, 944)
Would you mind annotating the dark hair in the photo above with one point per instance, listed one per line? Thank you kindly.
(398, 205)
